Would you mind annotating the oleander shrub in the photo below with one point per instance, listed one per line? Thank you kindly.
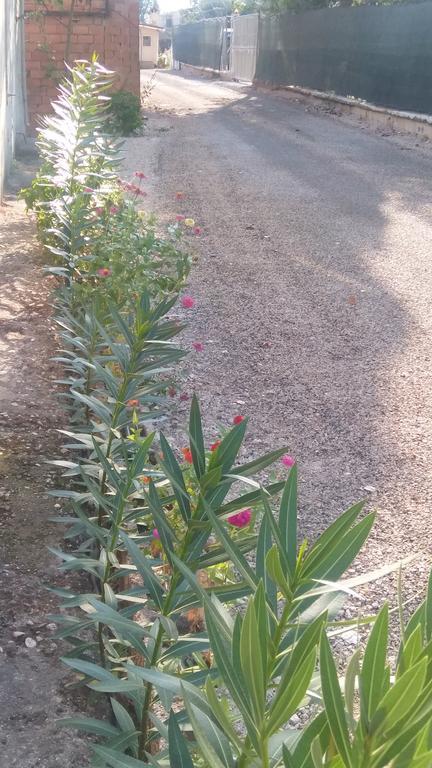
(204, 618)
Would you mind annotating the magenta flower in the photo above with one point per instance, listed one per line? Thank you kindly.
(99, 210)
(197, 230)
(198, 346)
(240, 519)
(184, 397)
(113, 210)
(155, 533)
(139, 175)
(180, 217)
(188, 302)
(288, 461)
(172, 391)
(104, 272)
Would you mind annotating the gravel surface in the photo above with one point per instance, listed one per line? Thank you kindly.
(312, 292)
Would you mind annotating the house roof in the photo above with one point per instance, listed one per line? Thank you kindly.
(151, 26)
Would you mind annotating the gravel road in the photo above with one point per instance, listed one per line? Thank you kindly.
(313, 290)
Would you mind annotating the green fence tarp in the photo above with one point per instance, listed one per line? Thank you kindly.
(199, 43)
(382, 54)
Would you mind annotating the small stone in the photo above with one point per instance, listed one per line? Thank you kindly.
(17, 634)
(370, 488)
(30, 643)
(51, 627)
(350, 637)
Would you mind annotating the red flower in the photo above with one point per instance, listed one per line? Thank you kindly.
(104, 272)
(188, 302)
(187, 455)
(215, 445)
(238, 419)
(133, 403)
(180, 217)
(139, 175)
(198, 346)
(99, 210)
(240, 519)
(197, 230)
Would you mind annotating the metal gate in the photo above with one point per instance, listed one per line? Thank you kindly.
(244, 46)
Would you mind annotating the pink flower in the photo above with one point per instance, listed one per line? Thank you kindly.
(188, 302)
(240, 519)
(184, 397)
(197, 230)
(140, 192)
(155, 533)
(99, 211)
(180, 217)
(238, 419)
(104, 272)
(198, 346)
(88, 190)
(139, 175)
(113, 210)
(172, 391)
(287, 460)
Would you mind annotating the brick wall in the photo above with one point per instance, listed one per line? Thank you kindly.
(106, 27)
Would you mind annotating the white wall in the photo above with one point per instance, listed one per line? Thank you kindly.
(12, 82)
(148, 53)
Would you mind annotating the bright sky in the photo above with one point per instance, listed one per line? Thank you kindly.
(172, 5)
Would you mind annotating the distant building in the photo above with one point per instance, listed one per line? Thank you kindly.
(149, 45)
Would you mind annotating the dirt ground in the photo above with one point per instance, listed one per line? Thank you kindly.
(32, 683)
(313, 287)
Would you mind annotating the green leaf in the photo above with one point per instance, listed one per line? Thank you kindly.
(150, 579)
(257, 465)
(221, 715)
(352, 672)
(89, 725)
(428, 609)
(288, 519)
(196, 438)
(333, 701)
(117, 759)
(373, 669)
(263, 546)
(227, 451)
(178, 752)
(213, 744)
(332, 535)
(175, 475)
(231, 548)
(334, 561)
(251, 659)
(400, 698)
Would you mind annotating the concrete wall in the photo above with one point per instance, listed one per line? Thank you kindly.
(149, 54)
(106, 27)
(12, 83)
